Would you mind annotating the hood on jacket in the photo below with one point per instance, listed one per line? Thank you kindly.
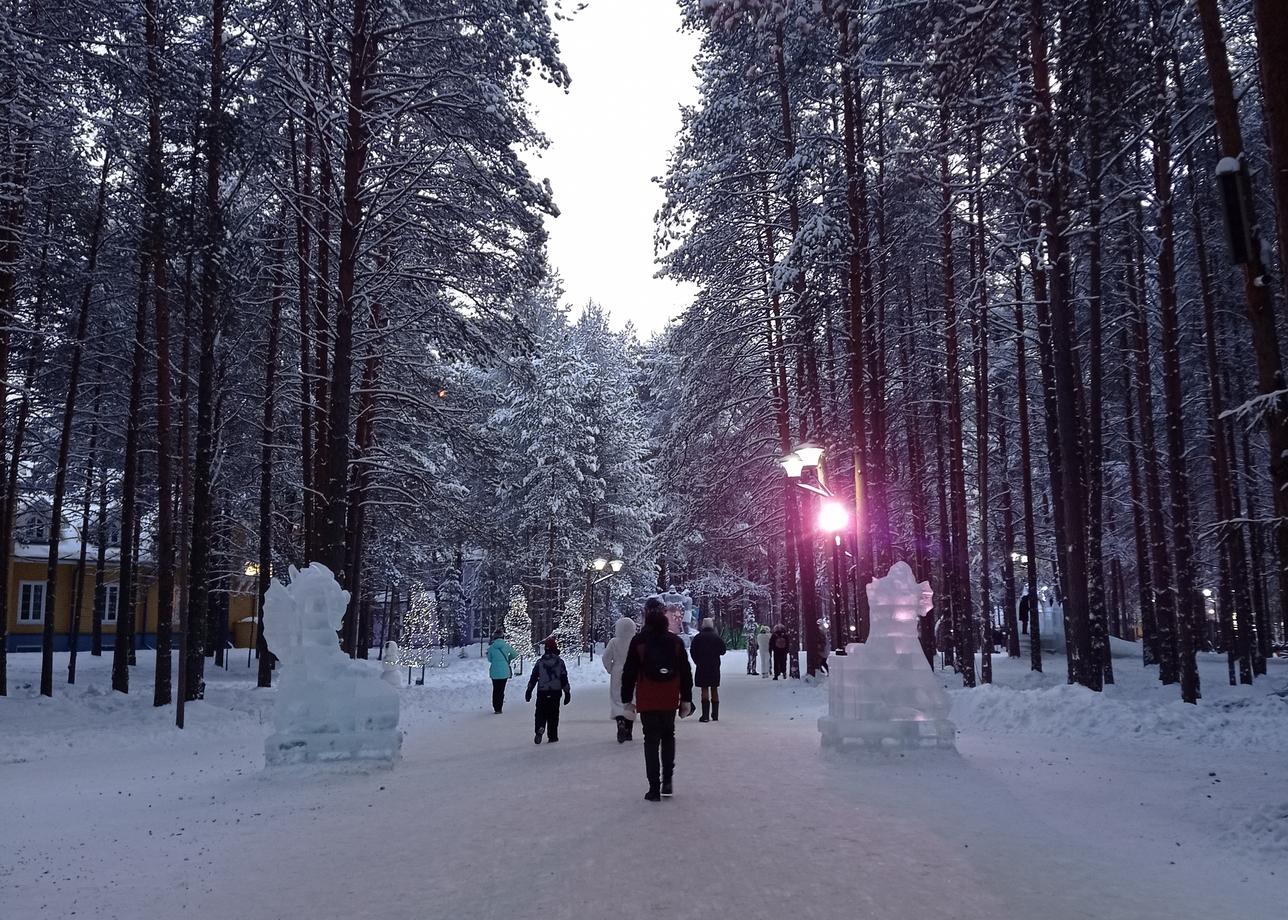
(624, 629)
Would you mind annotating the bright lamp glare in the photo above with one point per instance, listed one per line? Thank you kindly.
(599, 564)
(616, 565)
(833, 517)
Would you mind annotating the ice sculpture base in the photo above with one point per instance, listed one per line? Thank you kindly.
(931, 733)
(382, 747)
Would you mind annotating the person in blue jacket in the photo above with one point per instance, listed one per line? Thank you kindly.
(499, 655)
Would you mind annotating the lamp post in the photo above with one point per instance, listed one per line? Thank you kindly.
(804, 467)
(833, 519)
(597, 565)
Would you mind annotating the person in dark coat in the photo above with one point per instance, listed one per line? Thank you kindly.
(657, 677)
(926, 635)
(780, 643)
(1026, 607)
(550, 680)
(706, 649)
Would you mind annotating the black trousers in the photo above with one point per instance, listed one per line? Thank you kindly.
(659, 746)
(498, 692)
(548, 714)
(780, 664)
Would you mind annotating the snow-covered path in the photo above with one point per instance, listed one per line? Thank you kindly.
(477, 822)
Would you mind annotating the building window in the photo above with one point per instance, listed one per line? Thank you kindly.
(34, 529)
(31, 602)
(111, 595)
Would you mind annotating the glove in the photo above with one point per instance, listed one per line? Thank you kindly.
(527, 697)
(686, 710)
(567, 698)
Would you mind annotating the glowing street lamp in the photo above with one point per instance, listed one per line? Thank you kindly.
(810, 454)
(616, 565)
(833, 518)
(793, 465)
(599, 563)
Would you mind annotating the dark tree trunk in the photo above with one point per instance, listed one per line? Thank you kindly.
(268, 428)
(122, 645)
(161, 306)
(195, 627)
(1026, 477)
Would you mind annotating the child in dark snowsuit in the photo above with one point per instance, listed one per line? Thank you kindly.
(550, 679)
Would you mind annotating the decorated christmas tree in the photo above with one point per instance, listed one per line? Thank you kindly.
(568, 635)
(417, 635)
(518, 625)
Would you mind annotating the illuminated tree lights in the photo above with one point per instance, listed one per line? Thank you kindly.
(518, 625)
(417, 637)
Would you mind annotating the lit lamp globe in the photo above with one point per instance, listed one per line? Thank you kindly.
(616, 565)
(810, 454)
(793, 465)
(833, 518)
(599, 563)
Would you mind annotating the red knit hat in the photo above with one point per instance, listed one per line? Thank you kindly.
(551, 645)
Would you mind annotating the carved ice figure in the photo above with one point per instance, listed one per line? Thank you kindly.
(329, 707)
(882, 693)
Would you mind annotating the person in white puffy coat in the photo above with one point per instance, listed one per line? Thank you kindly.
(614, 659)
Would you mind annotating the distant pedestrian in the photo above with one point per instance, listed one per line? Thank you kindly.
(550, 679)
(499, 655)
(614, 659)
(706, 649)
(780, 644)
(658, 678)
(762, 646)
(751, 651)
(1026, 608)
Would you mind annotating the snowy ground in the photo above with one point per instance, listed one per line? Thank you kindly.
(1060, 805)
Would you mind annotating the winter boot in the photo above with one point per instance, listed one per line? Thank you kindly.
(621, 729)
(630, 729)
(666, 788)
(537, 738)
(706, 711)
(653, 795)
(715, 710)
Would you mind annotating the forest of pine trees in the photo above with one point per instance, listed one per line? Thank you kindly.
(274, 289)
(981, 254)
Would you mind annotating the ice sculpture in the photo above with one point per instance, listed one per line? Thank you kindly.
(329, 707)
(882, 693)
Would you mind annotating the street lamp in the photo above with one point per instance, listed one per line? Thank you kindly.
(834, 519)
(802, 467)
(598, 564)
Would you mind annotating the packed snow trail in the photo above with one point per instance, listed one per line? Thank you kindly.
(478, 822)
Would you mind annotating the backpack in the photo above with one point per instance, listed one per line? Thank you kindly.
(659, 659)
(548, 676)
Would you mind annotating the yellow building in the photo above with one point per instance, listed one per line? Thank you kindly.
(26, 602)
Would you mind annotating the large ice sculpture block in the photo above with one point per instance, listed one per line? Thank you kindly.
(329, 707)
(882, 693)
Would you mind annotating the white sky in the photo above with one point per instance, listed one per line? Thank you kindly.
(610, 135)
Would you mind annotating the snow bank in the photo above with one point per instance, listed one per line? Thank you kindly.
(1246, 722)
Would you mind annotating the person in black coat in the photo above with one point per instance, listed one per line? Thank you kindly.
(780, 643)
(1026, 607)
(705, 650)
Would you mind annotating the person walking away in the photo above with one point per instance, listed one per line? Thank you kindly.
(779, 645)
(657, 676)
(1026, 607)
(499, 655)
(762, 646)
(706, 649)
(751, 652)
(550, 679)
(614, 659)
